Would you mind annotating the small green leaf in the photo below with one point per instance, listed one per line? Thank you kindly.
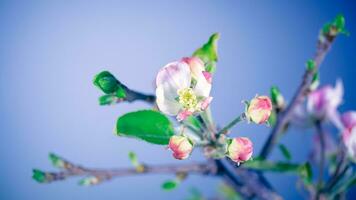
(264, 165)
(310, 65)
(133, 158)
(339, 23)
(39, 176)
(285, 152)
(56, 160)
(315, 81)
(107, 99)
(121, 92)
(106, 82)
(169, 185)
(306, 173)
(272, 118)
(209, 53)
(148, 125)
(88, 181)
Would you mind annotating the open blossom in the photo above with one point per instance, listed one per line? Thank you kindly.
(349, 133)
(240, 149)
(259, 109)
(181, 146)
(183, 88)
(322, 103)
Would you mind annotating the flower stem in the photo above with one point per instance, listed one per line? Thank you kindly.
(238, 119)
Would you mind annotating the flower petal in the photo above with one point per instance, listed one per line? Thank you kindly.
(203, 87)
(165, 103)
(176, 75)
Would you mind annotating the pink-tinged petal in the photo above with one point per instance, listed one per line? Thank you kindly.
(208, 76)
(183, 115)
(206, 102)
(349, 139)
(176, 75)
(323, 103)
(203, 87)
(259, 109)
(349, 119)
(240, 149)
(166, 105)
(196, 65)
(181, 147)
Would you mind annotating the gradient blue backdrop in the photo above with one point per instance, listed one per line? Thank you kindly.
(50, 51)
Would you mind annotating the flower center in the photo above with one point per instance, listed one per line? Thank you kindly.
(187, 99)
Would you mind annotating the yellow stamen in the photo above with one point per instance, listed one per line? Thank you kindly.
(188, 99)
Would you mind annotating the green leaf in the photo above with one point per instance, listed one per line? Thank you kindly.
(121, 92)
(310, 65)
(39, 176)
(306, 173)
(148, 125)
(106, 82)
(264, 165)
(133, 158)
(209, 53)
(88, 181)
(169, 185)
(56, 160)
(272, 118)
(285, 152)
(107, 99)
(339, 23)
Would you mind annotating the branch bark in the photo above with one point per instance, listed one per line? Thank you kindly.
(303, 90)
(70, 169)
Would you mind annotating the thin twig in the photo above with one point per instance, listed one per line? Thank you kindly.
(232, 123)
(323, 48)
(321, 135)
(71, 170)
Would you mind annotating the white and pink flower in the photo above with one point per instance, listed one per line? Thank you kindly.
(323, 102)
(349, 133)
(181, 146)
(240, 149)
(183, 88)
(259, 109)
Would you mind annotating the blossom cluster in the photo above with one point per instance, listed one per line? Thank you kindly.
(183, 90)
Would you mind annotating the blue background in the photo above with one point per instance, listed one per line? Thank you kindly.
(50, 51)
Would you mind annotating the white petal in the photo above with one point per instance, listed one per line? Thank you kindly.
(166, 105)
(202, 87)
(176, 75)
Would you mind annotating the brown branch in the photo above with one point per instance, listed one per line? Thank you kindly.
(70, 169)
(303, 90)
(132, 95)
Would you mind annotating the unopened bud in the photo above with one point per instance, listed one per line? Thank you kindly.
(240, 149)
(181, 147)
(259, 109)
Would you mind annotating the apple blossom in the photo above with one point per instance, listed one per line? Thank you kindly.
(322, 103)
(183, 88)
(181, 146)
(259, 109)
(349, 133)
(240, 149)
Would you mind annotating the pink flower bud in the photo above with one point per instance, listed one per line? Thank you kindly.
(259, 109)
(240, 149)
(181, 147)
(349, 133)
(349, 139)
(323, 102)
(349, 119)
